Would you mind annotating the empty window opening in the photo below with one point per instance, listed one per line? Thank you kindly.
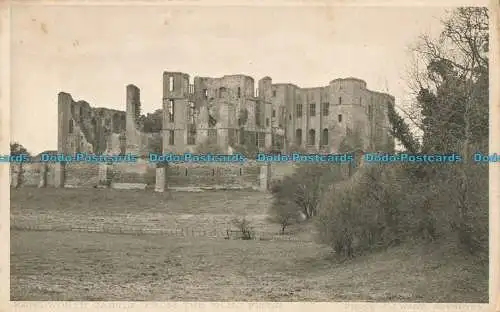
(340, 117)
(242, 137)
(261, 139)
(298, 110)
(324, 137)
(191, 113)
(170, 83)
(340, 100)
(274, 93)
(222, 92)
(257, 115)
(171, 137)
(312, 109)
(239, 92)
(326, 109)
(274, 113)
(191, 139)
(298, 137)
(267, 122)
(171, 110)
(71, 126)
(312, 137)
(212, 136)
(205, 93)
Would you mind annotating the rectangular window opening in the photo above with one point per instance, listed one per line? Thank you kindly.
(299, 110)
(312, 109)
(171, 137)
(171, 83)
(326, 109)
(171, 110)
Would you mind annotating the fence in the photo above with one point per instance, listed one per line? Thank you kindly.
(141, 230)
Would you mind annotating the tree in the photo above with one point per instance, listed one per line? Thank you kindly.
(282, 212)
(450, 78)
(17, 149)
(400, 130)
(152, 122)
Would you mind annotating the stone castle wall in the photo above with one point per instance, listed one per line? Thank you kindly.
(85, 175)
(210, 110)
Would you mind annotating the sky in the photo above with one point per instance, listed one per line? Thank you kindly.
(93, 52)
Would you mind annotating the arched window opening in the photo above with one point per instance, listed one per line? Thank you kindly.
(312, 137)
(298, 137)
(324, 137)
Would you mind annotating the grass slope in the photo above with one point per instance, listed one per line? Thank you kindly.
(97, 266)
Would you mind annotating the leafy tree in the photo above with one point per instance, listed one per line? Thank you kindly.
(453, 100)
(152, 122)
(17, 149)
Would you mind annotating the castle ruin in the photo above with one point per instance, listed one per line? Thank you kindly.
(228, 112)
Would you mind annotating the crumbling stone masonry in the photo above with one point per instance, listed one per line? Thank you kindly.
(230, 111)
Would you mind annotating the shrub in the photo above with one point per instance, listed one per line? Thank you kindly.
(245, 228)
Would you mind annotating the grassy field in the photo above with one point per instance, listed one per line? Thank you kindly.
(206, 211)
(48, 265)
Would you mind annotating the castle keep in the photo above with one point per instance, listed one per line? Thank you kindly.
(228, 112)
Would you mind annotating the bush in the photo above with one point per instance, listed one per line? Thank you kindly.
(245, 228)
(382, 206)
(283, 213)
(302, 191)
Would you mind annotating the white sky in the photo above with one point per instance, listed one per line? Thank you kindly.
(94, 52)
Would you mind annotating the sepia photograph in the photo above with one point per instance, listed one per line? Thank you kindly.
(251, 153)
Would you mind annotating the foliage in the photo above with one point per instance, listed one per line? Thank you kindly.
(155, 144)
(244, 226)
(401, 131)
(302, 191)
(152, 122)
(17, 149)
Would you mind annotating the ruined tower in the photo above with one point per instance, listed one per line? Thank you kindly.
(176, 92)
(133, 111)
(65, 122)
(265, 97)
